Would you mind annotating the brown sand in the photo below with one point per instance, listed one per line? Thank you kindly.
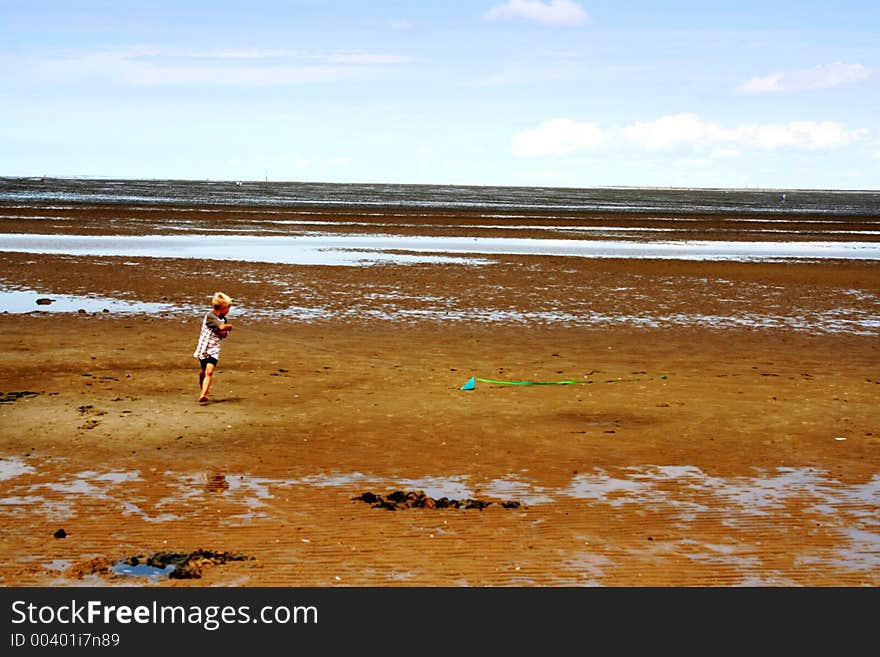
(754, 461)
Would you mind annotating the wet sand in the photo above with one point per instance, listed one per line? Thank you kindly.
(724, 431)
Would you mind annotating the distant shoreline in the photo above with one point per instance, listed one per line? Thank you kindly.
(453, 198)
(249, 181)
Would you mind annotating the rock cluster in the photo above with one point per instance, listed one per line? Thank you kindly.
(187, 565)
(419, 500)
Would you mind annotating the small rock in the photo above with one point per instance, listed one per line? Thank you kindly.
(44, 301)
(60, 533)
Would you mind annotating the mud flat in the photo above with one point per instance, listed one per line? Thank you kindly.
(720, 427)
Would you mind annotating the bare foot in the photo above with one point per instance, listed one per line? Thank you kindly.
(203, 400)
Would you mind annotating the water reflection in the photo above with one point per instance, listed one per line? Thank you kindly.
(745, 508)
(26, 301)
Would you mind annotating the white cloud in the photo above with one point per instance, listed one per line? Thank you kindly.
(809, 135)
(248, 68)
(685, 131)
(555, 12)
(674, 130)
(825, 76)
(556, 137)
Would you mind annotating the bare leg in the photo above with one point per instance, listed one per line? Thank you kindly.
(205, 378)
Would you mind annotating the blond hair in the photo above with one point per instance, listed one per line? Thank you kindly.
(221, 300)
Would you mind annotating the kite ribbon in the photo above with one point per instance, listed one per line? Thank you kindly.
(471, 384)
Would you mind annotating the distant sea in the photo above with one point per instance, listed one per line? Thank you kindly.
(828, 203)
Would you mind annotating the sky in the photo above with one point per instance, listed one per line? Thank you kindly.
(563, 93)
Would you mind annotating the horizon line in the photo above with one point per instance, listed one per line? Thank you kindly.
(86, 177)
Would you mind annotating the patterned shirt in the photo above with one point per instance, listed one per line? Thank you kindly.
(209, 336)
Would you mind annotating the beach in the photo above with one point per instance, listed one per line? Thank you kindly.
(699, 422)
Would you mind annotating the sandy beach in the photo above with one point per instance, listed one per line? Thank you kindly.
(723, 428)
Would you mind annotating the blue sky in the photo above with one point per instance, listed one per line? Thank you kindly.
(499, 92)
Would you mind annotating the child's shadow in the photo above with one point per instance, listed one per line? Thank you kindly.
(221, 400)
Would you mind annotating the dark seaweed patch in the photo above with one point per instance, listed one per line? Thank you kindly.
(9, 397)
(419, 500)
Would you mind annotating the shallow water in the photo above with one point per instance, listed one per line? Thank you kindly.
(858, 319)
(151, 573)
(737, 499)
(368, 249)
(683, 501)
(25, 301)
(13, 467)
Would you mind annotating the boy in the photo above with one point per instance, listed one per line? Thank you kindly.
(214, 329)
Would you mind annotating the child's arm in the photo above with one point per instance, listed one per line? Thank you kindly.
(215, 325)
